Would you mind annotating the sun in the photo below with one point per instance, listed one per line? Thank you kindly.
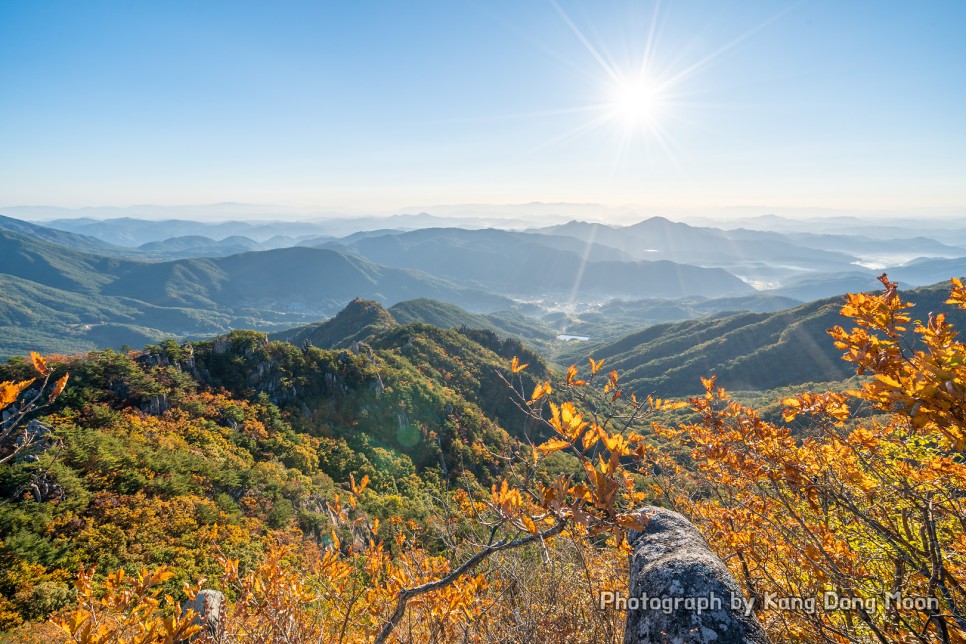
(636, 102)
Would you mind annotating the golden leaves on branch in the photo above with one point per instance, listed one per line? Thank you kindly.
(10, 391)
(539, 391)
(516, 367)
(868, 502)
(567, 421)
(595, 366)
(58, 387)
(553, 445)
(957, 295)
(572, 377)
(39, 363)
(832, 405)
(127, 610)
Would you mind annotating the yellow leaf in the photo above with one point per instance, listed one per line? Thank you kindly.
(572, 377)
(10, 390)
(39, 363)
(633, 521)
(892, 382)
(595, 365)
(529, 524)
(661, 404)
(611, 381)
(541, 390)
(553, 445)
(58, 387)
(592, 436)
(516, 367)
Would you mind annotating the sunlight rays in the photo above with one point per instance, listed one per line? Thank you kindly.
(640, 99)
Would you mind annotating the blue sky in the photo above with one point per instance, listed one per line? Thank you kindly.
(381, 105)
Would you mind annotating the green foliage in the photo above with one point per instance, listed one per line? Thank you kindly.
(748, 351)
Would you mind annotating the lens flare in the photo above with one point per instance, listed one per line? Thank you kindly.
(637, 103)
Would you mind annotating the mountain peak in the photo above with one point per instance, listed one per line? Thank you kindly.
(357, 321)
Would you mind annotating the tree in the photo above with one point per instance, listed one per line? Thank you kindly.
(856, 503)
(17, 435)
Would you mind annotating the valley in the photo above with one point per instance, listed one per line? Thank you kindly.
(77, 284)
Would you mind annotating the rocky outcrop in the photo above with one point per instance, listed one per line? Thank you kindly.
(680, 592)
(156, 404)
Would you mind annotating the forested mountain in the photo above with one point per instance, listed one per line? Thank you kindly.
(542, 265)
(157, 449)
(748, 351)
(751, 254)
(506, 323)
(200, 246)
(362, 318)
(374, 444)
(67, 292)
(356, 322)
(68, 300)
(800, 265)
(70, 240)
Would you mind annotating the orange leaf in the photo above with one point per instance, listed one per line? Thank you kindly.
(541, 390)
(10, 390)
(572, 377)
(39, 363)
(553, 445)
(592, 436)
(529, 524)
(633, 521)
(595, 365)
(611, 381)
(516, 367)
(58, 387)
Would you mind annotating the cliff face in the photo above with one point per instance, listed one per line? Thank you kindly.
(680, 591)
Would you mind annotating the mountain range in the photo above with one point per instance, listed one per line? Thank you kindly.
(131, 281)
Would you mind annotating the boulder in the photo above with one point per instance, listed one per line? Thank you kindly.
(680, 592)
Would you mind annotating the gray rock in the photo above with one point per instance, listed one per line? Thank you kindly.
(156, 405)
(672, 564)
(209, 606)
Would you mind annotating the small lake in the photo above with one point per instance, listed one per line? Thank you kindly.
(579, 338)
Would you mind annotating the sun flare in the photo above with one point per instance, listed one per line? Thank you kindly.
(636, 102)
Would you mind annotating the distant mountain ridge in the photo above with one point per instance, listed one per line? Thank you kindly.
(70, 291)
(140, 301)
(539, 265)
(748, 351)
(74, 241)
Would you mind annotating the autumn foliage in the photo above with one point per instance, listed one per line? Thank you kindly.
(854, 496)
(862, 501)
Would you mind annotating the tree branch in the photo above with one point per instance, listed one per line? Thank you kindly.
(408, 593)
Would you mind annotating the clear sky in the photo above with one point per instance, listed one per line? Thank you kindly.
(380, 105)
